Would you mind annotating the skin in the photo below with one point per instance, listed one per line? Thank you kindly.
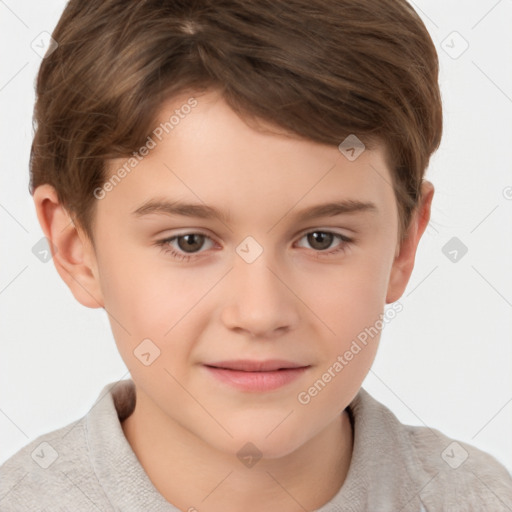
(290, 303)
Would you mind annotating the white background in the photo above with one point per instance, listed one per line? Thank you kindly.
(445, 361)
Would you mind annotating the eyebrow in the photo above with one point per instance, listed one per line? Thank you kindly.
(202, 211)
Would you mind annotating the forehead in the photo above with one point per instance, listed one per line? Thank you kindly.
(201, 150)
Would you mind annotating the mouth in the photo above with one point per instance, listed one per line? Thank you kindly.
(256, 376)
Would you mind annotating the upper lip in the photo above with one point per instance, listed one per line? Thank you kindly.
(248, 365)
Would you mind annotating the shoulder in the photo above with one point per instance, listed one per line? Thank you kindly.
(457, 475)
(422, 467)
(53, 464)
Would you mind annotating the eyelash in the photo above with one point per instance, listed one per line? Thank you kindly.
(164, 244)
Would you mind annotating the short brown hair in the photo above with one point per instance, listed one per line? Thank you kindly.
(320, 69)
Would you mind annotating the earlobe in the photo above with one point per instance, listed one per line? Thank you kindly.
(404, 261)
(73, 254)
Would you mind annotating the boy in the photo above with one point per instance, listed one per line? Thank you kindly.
(261, 131)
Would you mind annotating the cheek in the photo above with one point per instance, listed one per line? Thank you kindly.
(153, 300)
(350, 297)
(134, 286)
(352, 308)
(132, 295)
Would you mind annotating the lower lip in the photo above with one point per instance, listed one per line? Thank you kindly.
(257, 381)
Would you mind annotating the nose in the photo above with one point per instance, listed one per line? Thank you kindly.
(259, 301)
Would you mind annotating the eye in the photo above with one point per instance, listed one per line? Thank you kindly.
(187, 243)
(322, 240)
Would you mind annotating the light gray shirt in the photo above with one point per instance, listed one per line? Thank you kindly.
(90, 466)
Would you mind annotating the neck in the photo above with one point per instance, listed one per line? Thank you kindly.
(192, 475)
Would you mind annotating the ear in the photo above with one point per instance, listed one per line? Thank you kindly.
(403, 264)
(72, 251)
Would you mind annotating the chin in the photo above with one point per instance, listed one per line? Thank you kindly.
(266, 442)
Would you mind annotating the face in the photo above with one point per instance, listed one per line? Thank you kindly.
(236, 326)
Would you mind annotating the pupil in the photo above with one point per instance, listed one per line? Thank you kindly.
(190, 245)
(319, 236)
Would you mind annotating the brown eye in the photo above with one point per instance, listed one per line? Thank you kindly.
(320, 240)
(191, 242)
(186, 246)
